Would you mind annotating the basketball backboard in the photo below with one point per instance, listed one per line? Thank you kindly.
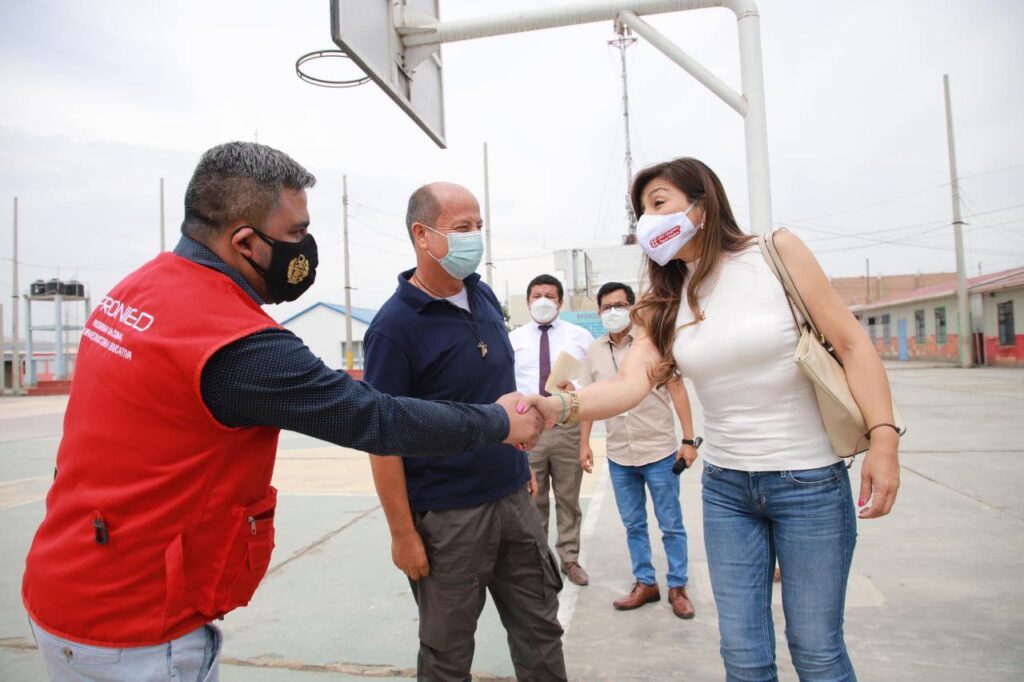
(367, 31)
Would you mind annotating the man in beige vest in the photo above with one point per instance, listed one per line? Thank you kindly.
(642, 450)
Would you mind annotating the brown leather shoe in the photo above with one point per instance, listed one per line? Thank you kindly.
(681, 604)
(641, 594)
(575, 573)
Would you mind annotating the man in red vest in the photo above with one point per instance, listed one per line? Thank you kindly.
(161, 514)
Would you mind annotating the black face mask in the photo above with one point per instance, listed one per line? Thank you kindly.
(292, 267)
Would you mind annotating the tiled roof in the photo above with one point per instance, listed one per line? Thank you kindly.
(364, 315)
(1005, 279)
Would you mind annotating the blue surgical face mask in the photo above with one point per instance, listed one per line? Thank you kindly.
(465, 249)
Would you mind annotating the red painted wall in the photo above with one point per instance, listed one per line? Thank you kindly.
(1004, 356)
(995, 354)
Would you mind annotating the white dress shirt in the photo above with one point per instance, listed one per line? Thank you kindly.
(571, 338)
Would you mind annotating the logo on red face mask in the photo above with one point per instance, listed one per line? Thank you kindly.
(666, 236)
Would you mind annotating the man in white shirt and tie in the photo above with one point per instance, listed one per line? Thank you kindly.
(555, 458)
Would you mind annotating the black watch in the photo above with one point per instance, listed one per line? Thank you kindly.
(694, 443)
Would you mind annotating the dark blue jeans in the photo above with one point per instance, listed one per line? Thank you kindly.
(631, 499)
(806, 519)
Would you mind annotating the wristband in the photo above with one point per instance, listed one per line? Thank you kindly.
(867, 434)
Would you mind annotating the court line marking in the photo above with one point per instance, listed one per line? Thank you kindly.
(571, 592)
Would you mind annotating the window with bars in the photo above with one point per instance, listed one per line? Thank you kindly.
(940, 326)
(919, 326)
(1007, 333)
(886, 329)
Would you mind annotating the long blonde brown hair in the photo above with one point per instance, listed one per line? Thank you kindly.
(658, 307)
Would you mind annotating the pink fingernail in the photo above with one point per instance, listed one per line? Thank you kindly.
(861, 502)
(521, 407)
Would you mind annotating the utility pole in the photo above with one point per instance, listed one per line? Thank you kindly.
(487, 221)
(624, 41)
(163, 246)
(867, 280)
(348, 287)
(3, 350)
(15, 355)
(963, 312)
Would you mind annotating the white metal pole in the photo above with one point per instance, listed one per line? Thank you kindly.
(163, 246)
(553, 17)
(488, 228)
(750, 105)
(348, 288)
(58, 335)
(963, 312)
(755, 122)
(3, 353)
(15, 355)
(664, 45)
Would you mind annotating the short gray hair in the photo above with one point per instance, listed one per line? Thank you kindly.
(423, 208)
(238, 181)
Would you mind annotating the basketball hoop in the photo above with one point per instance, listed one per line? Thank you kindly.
(325, 82)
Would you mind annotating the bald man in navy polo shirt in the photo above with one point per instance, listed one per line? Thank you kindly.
(462, 525)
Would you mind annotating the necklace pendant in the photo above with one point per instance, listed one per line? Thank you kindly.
(483, 349)
(702, 316)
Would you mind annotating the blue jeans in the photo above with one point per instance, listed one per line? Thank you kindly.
(631, 498)
(806, 519)
(193, 657)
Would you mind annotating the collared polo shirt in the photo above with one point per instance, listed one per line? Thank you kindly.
(426, 347)
(645, 434)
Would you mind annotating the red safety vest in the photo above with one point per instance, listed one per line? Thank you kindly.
(160, 518)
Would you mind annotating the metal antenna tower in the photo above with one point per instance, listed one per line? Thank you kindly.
(624, 41)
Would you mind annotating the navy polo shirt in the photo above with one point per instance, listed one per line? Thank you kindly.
(424, 347)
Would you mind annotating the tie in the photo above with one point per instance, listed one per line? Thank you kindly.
(545, 358)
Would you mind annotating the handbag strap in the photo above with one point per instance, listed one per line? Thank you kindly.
(778, 267)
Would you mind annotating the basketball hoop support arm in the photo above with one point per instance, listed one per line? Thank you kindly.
(420, 38)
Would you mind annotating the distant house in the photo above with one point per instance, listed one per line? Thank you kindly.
(322, 327)
(923, 324)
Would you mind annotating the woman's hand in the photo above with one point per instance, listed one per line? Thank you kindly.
(880, 475)
(550, 407)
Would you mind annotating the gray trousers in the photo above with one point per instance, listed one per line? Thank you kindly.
(193, 657)
(555, 459)
(497, 547)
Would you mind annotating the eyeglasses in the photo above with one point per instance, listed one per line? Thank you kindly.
(614, 306)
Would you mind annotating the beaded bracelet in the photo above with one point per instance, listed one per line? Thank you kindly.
(564, 407)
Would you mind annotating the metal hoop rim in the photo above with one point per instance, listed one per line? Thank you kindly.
(325, 82)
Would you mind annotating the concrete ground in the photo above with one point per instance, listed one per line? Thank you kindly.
(935, 593)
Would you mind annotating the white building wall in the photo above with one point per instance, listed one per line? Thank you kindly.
(323, 331)
(992, 300)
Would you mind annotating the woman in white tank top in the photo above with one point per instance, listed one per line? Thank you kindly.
(773, 489)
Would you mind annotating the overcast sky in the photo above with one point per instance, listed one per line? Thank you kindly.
(101, 99)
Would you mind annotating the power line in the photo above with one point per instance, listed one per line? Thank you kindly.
(925, 190)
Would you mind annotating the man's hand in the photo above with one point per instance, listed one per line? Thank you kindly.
(409, 555)
(880, 475)
(525, 424)
(549, 407)
(531, 486)
(586, 458)
(687, 453)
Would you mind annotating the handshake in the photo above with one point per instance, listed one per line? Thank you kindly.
(525, 421)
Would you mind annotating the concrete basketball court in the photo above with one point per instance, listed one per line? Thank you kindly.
(936, 590)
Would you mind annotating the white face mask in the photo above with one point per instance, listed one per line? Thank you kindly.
(615, 319)
(543, 310)
(662, 236)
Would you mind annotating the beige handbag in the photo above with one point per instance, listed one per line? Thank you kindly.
(818, 362)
